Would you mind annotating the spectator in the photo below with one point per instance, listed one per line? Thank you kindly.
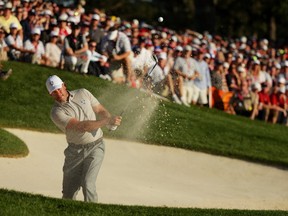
(98, 63)
(75, 51)
(264, 103)
(3, 46)
(28, 24)
(64, 29)
(34, 49)
(244, 101)
(117, 47)
(202, 83)
(95, 33)
(15, 43)
(156, 80)
(9, 18)
(187, 69)
(233, 78)
(53, 51)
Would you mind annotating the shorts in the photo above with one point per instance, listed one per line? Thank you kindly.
(200, 95)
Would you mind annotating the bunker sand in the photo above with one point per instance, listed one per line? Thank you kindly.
(139, 174)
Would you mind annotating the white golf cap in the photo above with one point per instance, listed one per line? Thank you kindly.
(63, 17)
(53, 83)
(95, 17)
(112, 35)
(257, 86)
(282, 80)
(54, 34)
(36, 31)
(13, 25)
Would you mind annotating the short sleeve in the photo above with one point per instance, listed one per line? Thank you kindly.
(60, 118)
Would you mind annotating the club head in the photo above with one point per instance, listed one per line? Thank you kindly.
(155, 58)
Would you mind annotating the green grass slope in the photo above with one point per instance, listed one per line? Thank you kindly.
(15, 203)
(25, 103)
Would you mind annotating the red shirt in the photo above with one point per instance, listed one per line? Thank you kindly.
(274, 98)
(264, 98)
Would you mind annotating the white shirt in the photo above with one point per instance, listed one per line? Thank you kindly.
(39, 50)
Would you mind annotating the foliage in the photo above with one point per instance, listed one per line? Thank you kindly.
(230, 18)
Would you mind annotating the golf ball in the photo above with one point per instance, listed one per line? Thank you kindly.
(160, 19)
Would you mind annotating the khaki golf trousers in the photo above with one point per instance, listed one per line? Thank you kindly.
(81, 167)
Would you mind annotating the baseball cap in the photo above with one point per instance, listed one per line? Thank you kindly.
(112, 34)
(8, 5)
(188, 48)
(95, 17)
(36, 31)
(54, 33)
(53, 83)
(257, 86)
(13, 25)
(282, 80)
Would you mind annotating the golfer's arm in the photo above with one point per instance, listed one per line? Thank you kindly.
(86, 126)
(91, 125)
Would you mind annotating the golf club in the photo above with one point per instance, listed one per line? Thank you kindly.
(156, 62)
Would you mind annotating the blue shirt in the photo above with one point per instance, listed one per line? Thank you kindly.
(204, 80)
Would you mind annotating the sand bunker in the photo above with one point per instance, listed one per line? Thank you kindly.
(139, 174)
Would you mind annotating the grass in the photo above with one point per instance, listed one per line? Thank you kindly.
(11, 146)
(15, 203)
(25, 103)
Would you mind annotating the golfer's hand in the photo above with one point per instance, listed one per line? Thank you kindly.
(115, 120)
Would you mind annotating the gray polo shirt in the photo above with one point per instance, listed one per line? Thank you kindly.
(79, 106)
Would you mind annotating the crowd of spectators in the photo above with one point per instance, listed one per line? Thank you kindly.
(244, 76)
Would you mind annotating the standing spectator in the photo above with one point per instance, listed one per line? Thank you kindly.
(117, 47)
(9, 18)
(187, 69)
(34, 49)
(202, 82)
(75, 51)
(53, 51)
(96, 34)
(156, 80)
(28, 24)
(64, 29)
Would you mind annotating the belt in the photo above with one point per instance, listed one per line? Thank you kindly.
(91, 144)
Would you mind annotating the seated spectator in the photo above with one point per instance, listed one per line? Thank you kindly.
(244, 101)
(34, 49)
(75, 51)
(3, 46)
(98, 65)
(264, 103)
(53, 51)
(15, 42)
(278, 98)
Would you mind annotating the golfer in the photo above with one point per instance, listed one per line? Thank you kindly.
(80, 116)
